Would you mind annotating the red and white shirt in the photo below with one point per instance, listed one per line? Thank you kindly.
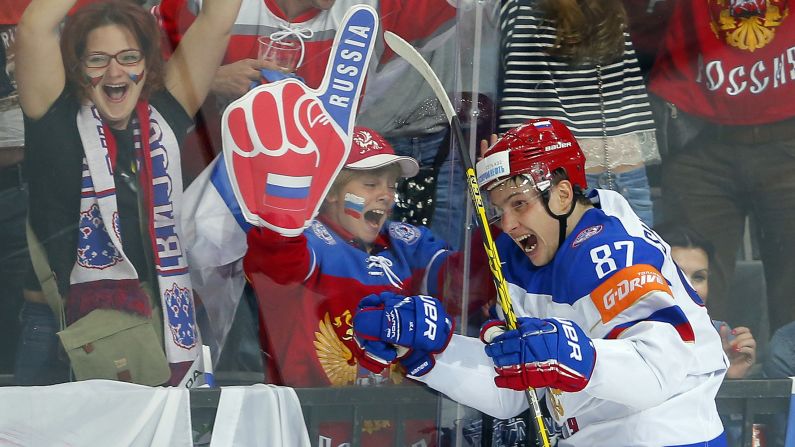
(729, 70)
(413, 20)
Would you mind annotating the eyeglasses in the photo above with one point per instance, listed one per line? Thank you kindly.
(123, 57)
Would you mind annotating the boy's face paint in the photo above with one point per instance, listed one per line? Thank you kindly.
(115, 89)
(354, 205)
(362, 206)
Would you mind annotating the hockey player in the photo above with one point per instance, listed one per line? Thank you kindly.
(607, 324)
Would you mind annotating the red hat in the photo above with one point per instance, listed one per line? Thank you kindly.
(370, 151)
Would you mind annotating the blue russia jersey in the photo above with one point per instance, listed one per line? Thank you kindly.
(413, 256)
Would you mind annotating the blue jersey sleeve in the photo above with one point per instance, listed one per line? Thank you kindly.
(596, 253)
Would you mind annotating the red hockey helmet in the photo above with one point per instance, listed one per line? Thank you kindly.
(535, 149)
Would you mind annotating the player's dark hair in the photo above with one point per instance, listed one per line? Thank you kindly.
(587, 30)
(559, 175)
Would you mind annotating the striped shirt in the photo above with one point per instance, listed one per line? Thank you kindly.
(536, 84)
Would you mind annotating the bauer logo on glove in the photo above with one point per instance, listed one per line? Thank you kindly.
(416, 322)
(552, 353)
(415, 327)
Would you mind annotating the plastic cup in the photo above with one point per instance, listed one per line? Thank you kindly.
(284, 53)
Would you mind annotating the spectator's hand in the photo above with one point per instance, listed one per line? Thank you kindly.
(552, 353)
(484, 145)
(741, 350)
(284, 142)
(233, 80)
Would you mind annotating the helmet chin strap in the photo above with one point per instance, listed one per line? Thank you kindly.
(561, 218)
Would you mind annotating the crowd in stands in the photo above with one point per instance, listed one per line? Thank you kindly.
(117, 196)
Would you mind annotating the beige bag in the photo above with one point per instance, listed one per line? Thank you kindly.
(106, 343)
(115, 345)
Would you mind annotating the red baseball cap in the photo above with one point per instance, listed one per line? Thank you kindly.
(370, 151)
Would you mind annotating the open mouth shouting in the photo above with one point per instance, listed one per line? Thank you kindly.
(115, 92)
(375, 218)
(528, 242)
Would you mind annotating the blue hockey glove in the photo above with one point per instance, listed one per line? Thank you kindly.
(374, 355)
(418, 322)
(416, 362)
(553, 353)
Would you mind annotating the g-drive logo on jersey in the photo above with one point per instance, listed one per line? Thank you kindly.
(626, 287)
(586, 234)
(284, 142)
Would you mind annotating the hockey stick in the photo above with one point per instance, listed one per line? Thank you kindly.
(410, 54)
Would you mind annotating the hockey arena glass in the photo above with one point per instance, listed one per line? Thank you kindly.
(518, 201)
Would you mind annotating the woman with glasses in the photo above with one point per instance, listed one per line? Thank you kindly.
(105, 118)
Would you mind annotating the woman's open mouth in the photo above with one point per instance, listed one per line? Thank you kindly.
(115, 92)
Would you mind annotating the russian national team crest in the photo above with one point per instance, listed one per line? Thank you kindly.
(404, 232)
(284, 142)
(181, 316)
(586, 234)
(322, 233)
(95, 249)
(747, 24)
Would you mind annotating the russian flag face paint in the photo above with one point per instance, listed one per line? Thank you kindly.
(286, 191)
(136, 78)
(354, 205)
(94, 80)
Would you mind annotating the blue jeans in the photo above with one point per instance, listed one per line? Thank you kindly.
(451, 193)
(37, 361)
(634, 186)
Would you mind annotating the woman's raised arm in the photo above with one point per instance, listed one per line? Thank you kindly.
(39, 64)
(191, 69)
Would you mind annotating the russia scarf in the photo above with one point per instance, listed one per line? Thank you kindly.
(103, 275)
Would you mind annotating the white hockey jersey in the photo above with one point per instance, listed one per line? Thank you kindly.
(659, 361)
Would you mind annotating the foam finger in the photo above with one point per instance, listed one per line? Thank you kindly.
(348, 62)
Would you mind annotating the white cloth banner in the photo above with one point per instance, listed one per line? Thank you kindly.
(259, 416)
(95, 413)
